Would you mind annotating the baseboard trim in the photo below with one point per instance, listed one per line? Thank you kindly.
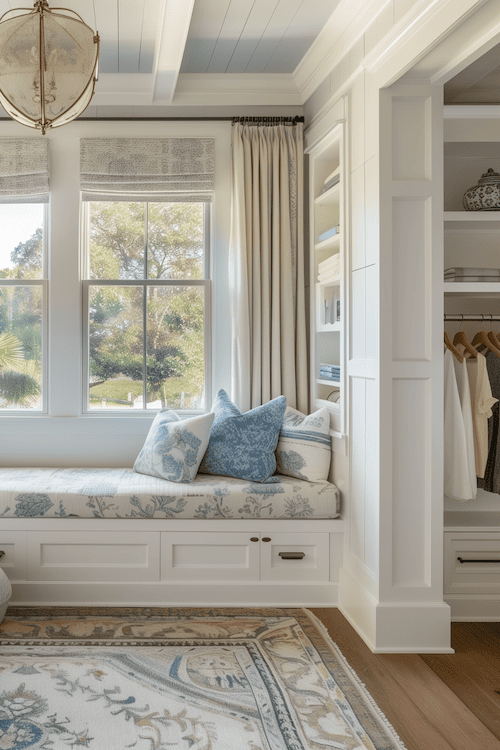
(394, 627)
(474, 608)
(74, 594)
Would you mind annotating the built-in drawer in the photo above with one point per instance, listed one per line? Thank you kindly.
(207, 556)
(472, 562)
(13, 559)
(295, 557)
(93, 556)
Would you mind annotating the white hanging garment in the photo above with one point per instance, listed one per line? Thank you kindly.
(465, 403)
(481, 402)
(458, 482)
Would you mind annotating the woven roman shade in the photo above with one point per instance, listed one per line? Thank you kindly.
(146, 169)
(24, 170)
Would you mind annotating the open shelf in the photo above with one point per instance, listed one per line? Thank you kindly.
(463, 288)
(334, 383)
(329, 197)
(327, 244)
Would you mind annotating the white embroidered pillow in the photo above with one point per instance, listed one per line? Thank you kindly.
(174, 447)
(304, 446)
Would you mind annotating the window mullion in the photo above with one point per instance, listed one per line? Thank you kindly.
(144, 345)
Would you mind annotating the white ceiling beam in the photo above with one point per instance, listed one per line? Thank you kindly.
(174, 19)
(214, 89)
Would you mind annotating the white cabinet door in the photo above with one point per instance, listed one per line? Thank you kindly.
(206, 556)
(94, 556)
(295, 557)
(13, 560)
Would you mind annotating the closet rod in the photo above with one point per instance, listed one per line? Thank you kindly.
(480, 318)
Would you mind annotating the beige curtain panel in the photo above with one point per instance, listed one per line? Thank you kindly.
(24, 170)
(147, 169)
(269, 349)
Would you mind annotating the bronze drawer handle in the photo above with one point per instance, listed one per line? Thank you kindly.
(254, 538)
(266, 538)
(2, 553)
(461, 560)
(292, 555)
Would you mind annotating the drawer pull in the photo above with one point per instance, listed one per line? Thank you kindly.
(461, 560)
(254, 538)
(292, 555)
(2, 553)
(266, 538)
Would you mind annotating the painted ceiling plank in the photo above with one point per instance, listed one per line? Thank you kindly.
(107, 25)
(230, 33)
(255, 26)
(173, 25)
(273, 33)
(149, 32)
(301, 33)
(130, 21)
(208, 18)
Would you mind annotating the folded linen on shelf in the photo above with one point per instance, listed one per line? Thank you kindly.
(329, 233)
(472, 272)
(328, 277)
(332, 262)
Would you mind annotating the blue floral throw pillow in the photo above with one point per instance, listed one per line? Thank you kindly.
(174, 447)
(243, 445)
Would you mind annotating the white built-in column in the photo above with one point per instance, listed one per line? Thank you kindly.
(392, 581)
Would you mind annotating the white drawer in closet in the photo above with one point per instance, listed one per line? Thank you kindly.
(94, 556)
(295, 557)
(13, 554)
(472, 562)
(209, 556)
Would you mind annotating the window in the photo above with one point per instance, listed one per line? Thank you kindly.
(147, 303)
(23, 297)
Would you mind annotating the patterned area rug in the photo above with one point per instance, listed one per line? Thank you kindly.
(180, 679)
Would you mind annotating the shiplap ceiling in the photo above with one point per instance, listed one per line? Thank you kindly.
(479, 83)
(196, 51)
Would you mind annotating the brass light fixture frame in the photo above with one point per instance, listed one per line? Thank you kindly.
(41, 7)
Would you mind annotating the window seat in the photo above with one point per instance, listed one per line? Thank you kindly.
(123, 493)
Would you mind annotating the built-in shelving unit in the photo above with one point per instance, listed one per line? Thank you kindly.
(471, 239)
(327, 294)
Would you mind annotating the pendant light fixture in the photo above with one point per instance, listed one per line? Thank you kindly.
(48, 65)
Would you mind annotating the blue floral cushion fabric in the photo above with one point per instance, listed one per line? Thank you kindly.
(305, 447)
(243, 445)
(123, 493)
(174, 447)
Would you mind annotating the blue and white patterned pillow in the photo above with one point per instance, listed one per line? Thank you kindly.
(243, 445)
(174, 447)
(305, 447)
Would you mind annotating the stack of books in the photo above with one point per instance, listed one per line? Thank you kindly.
(329, 269)
(472, 275)
(332, 179)
(329, 372)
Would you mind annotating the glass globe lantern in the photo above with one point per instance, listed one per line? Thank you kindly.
(48, 65)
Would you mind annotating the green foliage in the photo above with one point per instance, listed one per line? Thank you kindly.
(27, 257)
(174, 356)
(11, 351)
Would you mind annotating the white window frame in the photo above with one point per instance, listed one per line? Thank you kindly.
(65, 435)
(44, 284)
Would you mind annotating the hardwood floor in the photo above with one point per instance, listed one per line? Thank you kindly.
(434, 702)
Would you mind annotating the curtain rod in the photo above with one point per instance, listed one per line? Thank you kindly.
(242, 118)
(465, 318)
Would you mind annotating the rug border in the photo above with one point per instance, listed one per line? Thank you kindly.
(370, 701)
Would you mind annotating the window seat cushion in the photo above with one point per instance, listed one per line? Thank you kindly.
(123, 493)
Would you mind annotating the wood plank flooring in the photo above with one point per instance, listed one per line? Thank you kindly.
(434, 702)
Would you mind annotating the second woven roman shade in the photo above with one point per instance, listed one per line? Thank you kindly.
(147, 169)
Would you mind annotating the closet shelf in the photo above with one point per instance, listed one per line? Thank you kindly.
(471, 221)
(333, 383)
(460, 289)
(328, 327)
(327, 244)
(329, 197)
(472, 216)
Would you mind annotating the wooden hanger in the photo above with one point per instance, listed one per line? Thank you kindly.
(483, 338)
(453, 349)
(461, 338)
